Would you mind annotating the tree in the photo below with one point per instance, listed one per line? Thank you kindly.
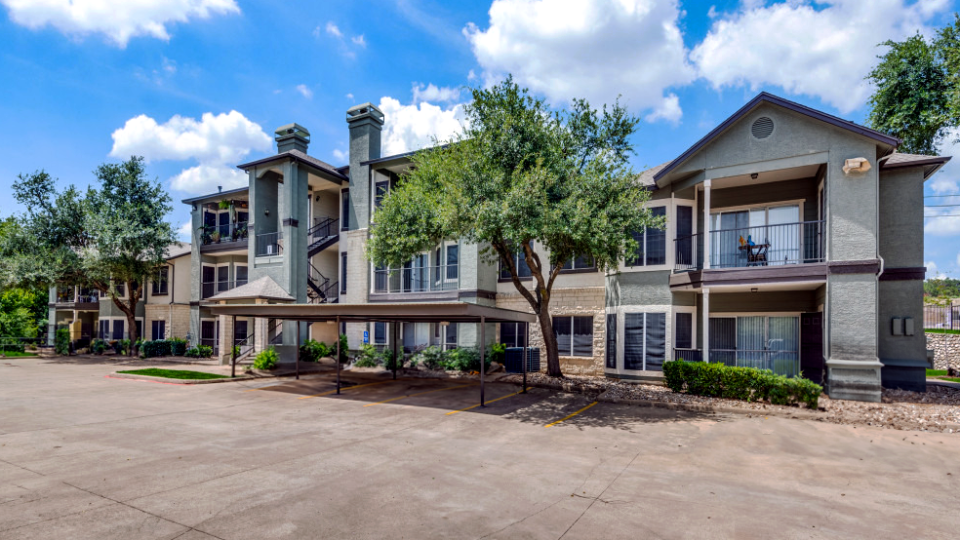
(917, 95)
(110, 236)
(521, 173)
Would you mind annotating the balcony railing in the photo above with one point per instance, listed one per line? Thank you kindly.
(88, 298)
(780, 362)
(269, 244)
(223, 234)
(210, 288)
(764, 245)
(324, 228)
(66, 296)
(420, 279)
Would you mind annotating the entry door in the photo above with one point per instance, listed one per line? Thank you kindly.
(208, 334)
(811, 346)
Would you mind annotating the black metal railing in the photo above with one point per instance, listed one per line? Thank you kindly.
(269, 244)
(325, 228)
(88, 299)
(764, 245)
(211, 288)
(275, 330)
(417, 279)
(690, 355)
(223, 234)
(941, 317)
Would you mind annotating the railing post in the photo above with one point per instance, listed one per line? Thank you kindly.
(706, 225)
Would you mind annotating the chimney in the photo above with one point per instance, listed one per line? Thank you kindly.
(365, 122)
(292, 137)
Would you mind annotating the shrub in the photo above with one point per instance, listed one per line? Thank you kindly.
(266, 359)
(344, 348)
(200, 351)
(463, 359)
(749, 384)
(313, 350)
(98, 346)
(121, 346)
(388, 358)
(367, 356)
(497, 353)
(177, 346)
(431, 358)
(12, 345)
(157, 347)
(61, 342)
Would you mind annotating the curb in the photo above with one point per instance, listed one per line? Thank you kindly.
(132, 376)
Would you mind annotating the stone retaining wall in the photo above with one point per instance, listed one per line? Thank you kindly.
(946, 349)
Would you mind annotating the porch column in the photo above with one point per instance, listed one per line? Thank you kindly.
(706, 228)
(706, 325)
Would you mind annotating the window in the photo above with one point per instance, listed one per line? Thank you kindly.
(343, 273)
(208, 281)
(223, 278)
(776, 230)
(683, 331)
(345, 210)
(644, 341)
(450, 336)
(380, 333)
(241, 275)
(611, 347)
(208, 334)
(453, 261)
(139, 323)
(684, 236)
(118, 329)
(121, 289)
(104, 329)
(381, 188)
(240, 332)
(581, 262)
(756, 341)
(513, 334)
(652, 244)
(520, 262)
(158, 329)
(574, 335)
(160, 281)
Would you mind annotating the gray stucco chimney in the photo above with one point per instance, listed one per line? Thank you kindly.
(292, 137)
(366, 123)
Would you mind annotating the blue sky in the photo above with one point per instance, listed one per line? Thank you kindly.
(89, 82)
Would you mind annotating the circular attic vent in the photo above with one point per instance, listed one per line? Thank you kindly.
(762, 127)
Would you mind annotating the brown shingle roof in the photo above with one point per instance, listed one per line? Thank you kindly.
(264, 288)
(301, 157)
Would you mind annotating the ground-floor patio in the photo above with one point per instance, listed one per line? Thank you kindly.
(83, 455)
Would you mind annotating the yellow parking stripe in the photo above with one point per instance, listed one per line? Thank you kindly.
(488, 401)
(420, 394)
(345, 388)
(569, 416)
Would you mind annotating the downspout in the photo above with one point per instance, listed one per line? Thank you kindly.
(882, 264)
(173, 299)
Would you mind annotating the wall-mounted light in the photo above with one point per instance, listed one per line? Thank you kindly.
(754, 290)
(859, 164)
(753, 176)
(444, 323)
(266, 211)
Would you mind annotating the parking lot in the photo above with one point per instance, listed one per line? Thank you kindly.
(83, 455)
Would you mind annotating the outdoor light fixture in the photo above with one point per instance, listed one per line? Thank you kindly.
(859, 164)
(754, 290)
(444, 323)
(753, 176)
(266, 211)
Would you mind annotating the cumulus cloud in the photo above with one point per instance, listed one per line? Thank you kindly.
(304, 91)
(821, 49)
(431, 92)
(411, 127)
(340, 156)
(932, 271)
(941, 221)
(216, 142)
(333, 30)
(348, 47)
(118, 20)
(184, 231)
(668, 110)
(595, 49)
(947, 179)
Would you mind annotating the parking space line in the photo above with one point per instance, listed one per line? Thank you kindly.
(488, 401)
(345, 388)
(569, 416)
(420, 394)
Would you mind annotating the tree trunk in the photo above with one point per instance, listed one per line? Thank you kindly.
(549, 342)
(132, 323)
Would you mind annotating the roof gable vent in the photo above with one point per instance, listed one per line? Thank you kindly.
(762, 127)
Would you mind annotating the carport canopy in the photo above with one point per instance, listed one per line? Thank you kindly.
(408, 312)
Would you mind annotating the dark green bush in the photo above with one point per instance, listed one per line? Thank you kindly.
(313, 350)
(11, 345)
(431, 358)
(463, 359)
(200, 351)
(121, 346)
(98, 346)
(266, 359)
(344, 348)
(748, 384)
(177, 346)
(157, 347)
(366, 356)
(497, 353)
(61, 342)
(388, 359)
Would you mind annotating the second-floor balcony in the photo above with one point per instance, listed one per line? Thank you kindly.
(211, 288)
(416, 279)
(227, 234)
(756, 246)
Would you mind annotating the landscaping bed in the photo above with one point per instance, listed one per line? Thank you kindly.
(181, 374)
(938, 409)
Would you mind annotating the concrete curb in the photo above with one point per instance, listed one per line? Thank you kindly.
(117, 375)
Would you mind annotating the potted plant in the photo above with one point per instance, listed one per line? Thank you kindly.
(215, 237)
(224, 204)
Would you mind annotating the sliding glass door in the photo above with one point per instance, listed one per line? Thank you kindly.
(757, 341)
(756, 236)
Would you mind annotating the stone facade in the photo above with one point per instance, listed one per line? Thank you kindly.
(573, 301)
(176, 316)
(946, 350)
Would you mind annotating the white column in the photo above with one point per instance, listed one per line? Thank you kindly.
(706, 226)
(705, 310)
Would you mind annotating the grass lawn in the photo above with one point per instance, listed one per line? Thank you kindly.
(941, 331)
(15, 354)
(951, 379)
(936, 372)
(174, 373)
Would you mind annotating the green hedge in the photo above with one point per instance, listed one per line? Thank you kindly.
(267, 359)
(749, 384)
(313, 350)
(200, 351)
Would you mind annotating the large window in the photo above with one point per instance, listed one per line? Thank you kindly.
(450, 336)
(683, 331)
(343, 273)
(574, 335)
(379, 333)
(652, 244)
(513, 334)
(757, 341)
(520, 262)
(644, 341)
(611, 345)
(118, 329)
(453, 261)
(685, 245)
(158, 330)
(160, 281)
(774, 232)
(345, 210)
(241, 275)
(582, 262)
(381, 188)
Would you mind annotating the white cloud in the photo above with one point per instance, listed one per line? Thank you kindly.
(822, 49)
(340, 156)
(932, 271)
(669, 110)
(431, 92)
(119, 20)
(947, 179)
(471, 75)
(216, 142)
(595, 49)
(941, 221)
(184, 231)
(349, 96)
(304, 91)
(359, 41)
(333, 30)
(411, 127)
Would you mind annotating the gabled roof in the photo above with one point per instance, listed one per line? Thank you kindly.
(901, 161)
(765, 97)
(301, 157)
(215, 196)
(264, 288)
(177, 249)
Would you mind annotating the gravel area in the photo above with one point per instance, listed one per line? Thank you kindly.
(938, 409)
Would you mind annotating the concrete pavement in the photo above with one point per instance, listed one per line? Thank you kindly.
(86, 456)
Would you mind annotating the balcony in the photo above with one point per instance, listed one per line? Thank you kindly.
(211, 288)
(322, 235)
(269, 244)
(224, 237)
(417, 283)
(760, 246)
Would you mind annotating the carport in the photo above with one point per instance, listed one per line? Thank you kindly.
(411, 312)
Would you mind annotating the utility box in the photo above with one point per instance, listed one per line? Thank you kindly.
(513, 360)
(908, 326)
(896, 326)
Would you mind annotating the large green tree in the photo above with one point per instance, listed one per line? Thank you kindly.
(111, 238)
(521, 175)
(917, 96)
